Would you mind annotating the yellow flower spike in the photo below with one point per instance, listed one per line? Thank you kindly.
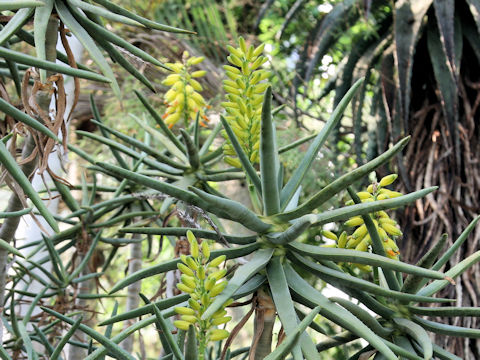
(182, 99)
(329, 235)
(354, 221)
(182, 310)
(218, 334)
(181, 324)
(217, 261)
(185, 269)
(244, 90)
(342, 240)
(387, 180)
(391, 229)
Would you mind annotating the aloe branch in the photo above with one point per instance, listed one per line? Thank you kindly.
(10, 225)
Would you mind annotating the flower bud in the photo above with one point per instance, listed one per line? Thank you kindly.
(329, 235)
(188, 280)
(222, 320)
(217, 261)
(387, 180)
(354, 221)
(205, 249)
(218, 334)
(185, 269)
(181, 324)
(190, 318)
(182, 310)
(184, 288)
(217, 289)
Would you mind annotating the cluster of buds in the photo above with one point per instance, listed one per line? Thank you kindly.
(387, 228)
(203, 281)
(245, 94)
(183, 99)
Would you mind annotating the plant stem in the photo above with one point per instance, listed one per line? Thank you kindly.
(265, 313)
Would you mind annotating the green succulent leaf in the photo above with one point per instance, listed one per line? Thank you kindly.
(21, 58)
(19, 4)
(15, 23)
(108, 343)
(342, 183)
(294, 182)
(58, 350)
(360, 257)
(85, 39)
(17, 174)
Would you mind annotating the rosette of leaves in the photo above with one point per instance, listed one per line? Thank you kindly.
(396, 327)
(183, 160)
(83, 19)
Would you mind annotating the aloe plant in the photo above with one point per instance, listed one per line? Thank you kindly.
(177, 173)
(279, 256)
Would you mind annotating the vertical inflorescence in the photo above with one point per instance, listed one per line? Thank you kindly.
(203, 281)
(387, 228)
(183, 99)
(245, 94)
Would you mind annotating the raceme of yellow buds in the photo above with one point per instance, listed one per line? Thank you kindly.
(203, 281)
(245, 94)
(386, 227)
(182, 99)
